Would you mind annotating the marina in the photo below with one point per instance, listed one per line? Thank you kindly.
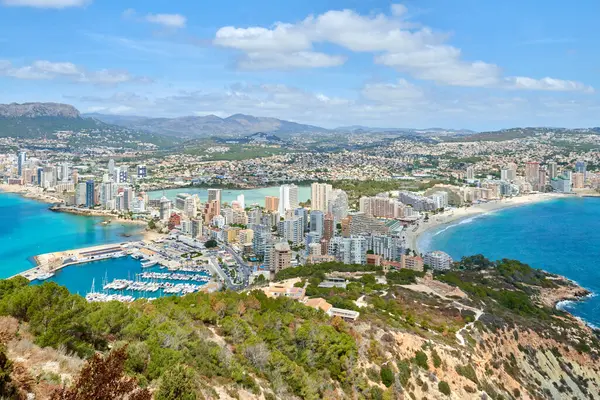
(127, 271)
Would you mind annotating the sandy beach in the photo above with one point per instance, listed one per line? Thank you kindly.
(31, 192)
(413, 233)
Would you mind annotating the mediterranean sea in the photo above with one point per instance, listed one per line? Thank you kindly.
(28, 228)
(560, 236)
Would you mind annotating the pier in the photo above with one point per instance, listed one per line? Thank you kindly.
(48, 264)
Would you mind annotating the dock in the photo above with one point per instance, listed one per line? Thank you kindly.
(48, 264)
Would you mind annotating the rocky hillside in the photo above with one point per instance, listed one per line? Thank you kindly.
(483, 331)
(38, 110)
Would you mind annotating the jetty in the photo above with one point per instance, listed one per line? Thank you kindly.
(48, 264)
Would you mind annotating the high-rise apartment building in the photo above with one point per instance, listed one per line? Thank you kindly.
(21, 159)
(320, 196)
(288, 198)
(215, 195)
(328, 226)
(317, 220)
(470, 173)
(532, 173)
(552, 170)
(271, 203)
(165, 209)
(282, 257)
(90, 194)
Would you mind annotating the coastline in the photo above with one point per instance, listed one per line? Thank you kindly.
(30, 192)
(457, 214)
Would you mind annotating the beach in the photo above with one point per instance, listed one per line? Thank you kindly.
(31, 192)
(455, 214)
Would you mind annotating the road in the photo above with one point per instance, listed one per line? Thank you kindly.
(243, 269)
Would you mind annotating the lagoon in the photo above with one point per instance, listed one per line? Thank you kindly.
(251, 196)
(560, 236)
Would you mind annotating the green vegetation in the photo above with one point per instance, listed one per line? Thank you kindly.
(210, 244)
(7, 388)
(468, 372)
(421, 359)
(319, 270)
(403, 276)
(444, 388)
(296, 348)
(177, 384)
(387, 376)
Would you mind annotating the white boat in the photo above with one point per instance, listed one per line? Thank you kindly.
(45, 276)
(149, 264)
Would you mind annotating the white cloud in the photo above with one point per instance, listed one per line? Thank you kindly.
(551, 84)
(409, 48)
(47, 70)
(46, 3)
(168, 20)
(402, 92)
(174, 21)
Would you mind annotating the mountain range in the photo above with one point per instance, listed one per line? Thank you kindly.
(194, 126)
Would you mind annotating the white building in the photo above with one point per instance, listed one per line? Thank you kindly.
(438, 260)
(320, 196)
(288, 198)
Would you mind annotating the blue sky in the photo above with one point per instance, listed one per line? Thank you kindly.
(421, 63)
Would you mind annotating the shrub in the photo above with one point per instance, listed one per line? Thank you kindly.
(387, 376)
(444, 388)
(421, 359)
(437, 361)
(468, 372)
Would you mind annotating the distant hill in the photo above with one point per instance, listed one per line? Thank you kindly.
(519, 133)
(43, 120)
(31, 120)
(258, 137)
(210, 125)
(358, 129)
(38, 110)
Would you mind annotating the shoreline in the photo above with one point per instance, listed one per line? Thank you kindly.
(459, 214)
(30, 192)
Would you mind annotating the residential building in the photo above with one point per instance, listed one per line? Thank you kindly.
(288, 198)
(438, 260)
(271, 203)
(320, 196)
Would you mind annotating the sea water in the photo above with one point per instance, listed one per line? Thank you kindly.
(561, 236)
(28, 228)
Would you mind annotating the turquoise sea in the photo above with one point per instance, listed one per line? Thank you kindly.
(82, 278)
(560, 236)
(251, 196)
(28, 228)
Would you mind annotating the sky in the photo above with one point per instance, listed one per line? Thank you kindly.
(473, 64)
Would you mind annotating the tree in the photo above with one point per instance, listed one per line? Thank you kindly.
(177, 384)
(7, 387)
(211, 244)
(102, 378)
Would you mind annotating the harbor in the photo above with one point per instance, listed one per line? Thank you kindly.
(129, 270)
